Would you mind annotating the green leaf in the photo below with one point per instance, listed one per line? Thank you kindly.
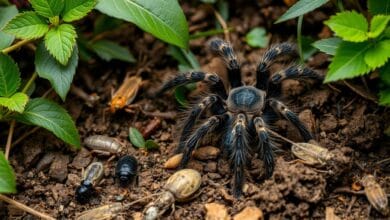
(60, 42)
(60, 76)
(164, 19)
(7, 176)
(77, 9)
(6, 14)
(328, 46)
(378, 25)
(180, 95)
(187, 60)
(257, 37)
(136, 138)
(307, 49)
(47, 8)
(9, 76)
(384, 73)
(16, 102)
(384, 97)
(349, 25)
(209, 1)
(300, 8)
(51, 116)
(105, 23)
(379, 7)
(27, 25)
(377, 55)
(151, 145)
(348, 61)
(108, 50)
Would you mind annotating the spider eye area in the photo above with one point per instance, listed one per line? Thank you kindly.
(246, 99)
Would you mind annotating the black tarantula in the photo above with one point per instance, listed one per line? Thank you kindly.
(240, 117)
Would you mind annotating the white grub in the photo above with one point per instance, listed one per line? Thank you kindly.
(101, 143)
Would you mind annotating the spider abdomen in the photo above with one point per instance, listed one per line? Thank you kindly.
(246, 99)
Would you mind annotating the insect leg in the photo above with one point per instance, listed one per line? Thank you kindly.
(236, 141)
(264, 146)
(226, 51)
(295, 72)
(292, 117)
(262, 70)
(209, 126)
(208, 102)
(213, 81)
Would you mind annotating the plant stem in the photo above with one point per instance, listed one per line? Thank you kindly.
(223, 24)
(21, 138)
(9, 139)
(29, 82)
(299, 38)
(15, 46)
(25, 208)
(340, 5)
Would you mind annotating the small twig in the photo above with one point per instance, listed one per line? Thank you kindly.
(25, 208)
(9, 139)
(353, 200)
(357, 91)
(334, 88)
(21, 138)
(29, 82)
(223, 24)
(383, 161)
(348, 190)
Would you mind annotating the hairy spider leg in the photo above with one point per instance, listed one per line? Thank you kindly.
(209, 126)
(264, 146)
(236, 142)
(295, 72)
(292, 117)
(225, 50)
(213, 102)
(262, 70)
(213, 81)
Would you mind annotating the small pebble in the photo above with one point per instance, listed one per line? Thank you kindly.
(215, 211)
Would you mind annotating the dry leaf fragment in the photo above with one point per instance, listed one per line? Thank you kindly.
(215, 211)
(249, 213)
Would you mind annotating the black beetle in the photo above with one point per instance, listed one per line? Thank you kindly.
(126, 169)
(92, 175)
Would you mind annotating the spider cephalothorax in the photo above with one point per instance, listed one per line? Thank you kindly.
(239, 117)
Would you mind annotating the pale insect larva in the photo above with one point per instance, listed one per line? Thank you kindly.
(103, 144)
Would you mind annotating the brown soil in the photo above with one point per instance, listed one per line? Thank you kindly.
(343, 121)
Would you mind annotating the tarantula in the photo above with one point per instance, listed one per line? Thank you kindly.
(240, 116)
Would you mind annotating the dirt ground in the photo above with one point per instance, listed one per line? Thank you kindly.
(342, 117)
